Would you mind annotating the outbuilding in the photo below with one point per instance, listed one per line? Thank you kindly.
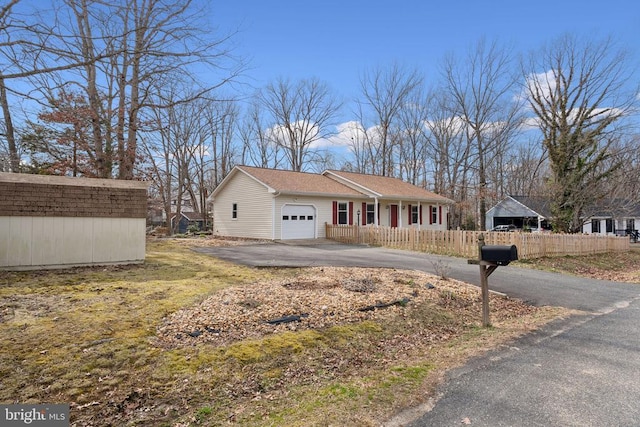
(55, 221)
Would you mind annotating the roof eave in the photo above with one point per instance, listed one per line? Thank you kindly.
(321, 194)
(442, 200)
(358, 187)
(233, 172)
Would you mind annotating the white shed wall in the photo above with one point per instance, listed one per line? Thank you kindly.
(37, 242)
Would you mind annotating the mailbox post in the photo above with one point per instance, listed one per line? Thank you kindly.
(484, 283)
(489, 258)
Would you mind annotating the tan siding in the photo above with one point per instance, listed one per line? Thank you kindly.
(255, 206)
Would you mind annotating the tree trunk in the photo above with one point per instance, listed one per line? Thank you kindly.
(14, 158)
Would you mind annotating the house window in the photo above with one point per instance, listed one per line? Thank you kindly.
(595, 226)
(631, 224)
(415, 214)
(343, 211)
(371, 213)
(434, 214)
(609, 225)
(234, 211)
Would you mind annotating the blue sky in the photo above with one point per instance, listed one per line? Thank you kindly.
(336, 41)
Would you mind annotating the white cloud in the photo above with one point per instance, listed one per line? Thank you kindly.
(303, 130)
(346, 134)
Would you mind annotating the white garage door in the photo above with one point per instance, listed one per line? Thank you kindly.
(298, 222)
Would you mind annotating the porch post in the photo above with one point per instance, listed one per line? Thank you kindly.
(375, 212)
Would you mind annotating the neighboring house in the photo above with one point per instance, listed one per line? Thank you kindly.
(278, 204)
(185, 204)
(188, 219)
(534, 213)
(613, 217)
(158, 216)
(523, 212)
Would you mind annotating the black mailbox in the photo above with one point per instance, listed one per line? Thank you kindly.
(501, 255)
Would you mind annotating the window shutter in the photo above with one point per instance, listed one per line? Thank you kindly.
(335, 212)
(350, 213)
(440, 214)
(421, 214)
(430, 214)
(409, 215)
(378, 213)
(364, 213)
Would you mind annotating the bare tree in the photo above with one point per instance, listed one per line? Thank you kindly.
(412, 139)
(257, 148)
(384, 92)
(580, 95)
(115, 52)
(40, 52)
(23, 54)
(448, 154)
(359, 159)
(301, 114)
(482, 85)
(173, 144)
(526, 170)
(221, 119)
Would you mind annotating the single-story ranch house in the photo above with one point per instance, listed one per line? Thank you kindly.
(613, 216)
(279, 204)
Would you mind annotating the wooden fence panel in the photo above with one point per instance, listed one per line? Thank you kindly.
(465, 243)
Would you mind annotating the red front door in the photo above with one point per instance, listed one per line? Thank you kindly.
(394, 215)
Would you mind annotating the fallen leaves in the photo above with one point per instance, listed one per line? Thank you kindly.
(316, 298)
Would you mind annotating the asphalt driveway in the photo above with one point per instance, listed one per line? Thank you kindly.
(536, 287)
(581, 371)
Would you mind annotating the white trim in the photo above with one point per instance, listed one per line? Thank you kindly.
(234, 211)
(338, 212)
(273, 218)
(355, 184)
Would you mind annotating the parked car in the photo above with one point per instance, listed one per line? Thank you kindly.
(506, 227)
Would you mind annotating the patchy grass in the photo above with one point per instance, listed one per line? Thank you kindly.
(88, 337)
(618, 266)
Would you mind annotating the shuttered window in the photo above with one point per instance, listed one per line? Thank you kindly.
(343, 213)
